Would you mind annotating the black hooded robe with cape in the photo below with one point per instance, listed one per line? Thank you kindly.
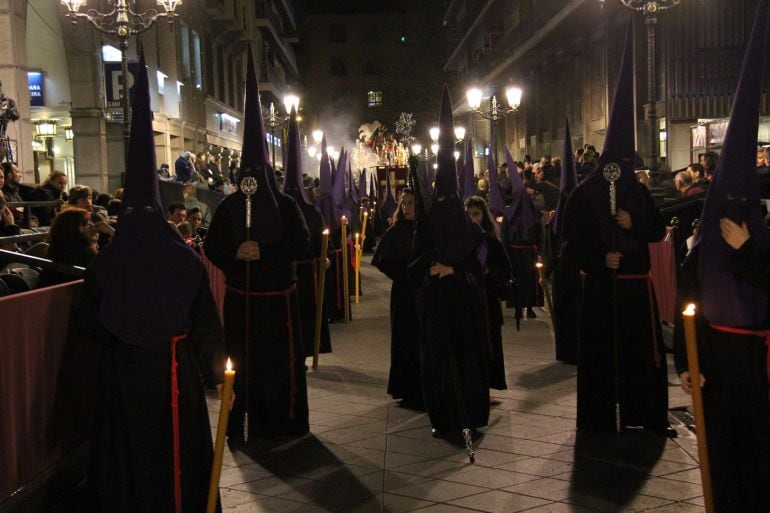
(643, 379)
(131, 452)
(276, 367)
(497, 279)
(392, 259)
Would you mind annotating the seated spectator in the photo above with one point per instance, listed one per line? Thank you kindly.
(81, 196)
(176, 212)
(184, 167)
(113, 208)
(73, 241)
(118, 194)
(103, 200)
(195, 219)
(51, 189)
(763, 164)
(682, 181)
(699, 182)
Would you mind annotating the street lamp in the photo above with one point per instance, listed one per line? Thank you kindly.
(122, 22)
(496, 111)
(274, 120)
(651, 8)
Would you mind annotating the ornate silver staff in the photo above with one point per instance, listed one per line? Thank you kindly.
(611, 173)
(248, 188)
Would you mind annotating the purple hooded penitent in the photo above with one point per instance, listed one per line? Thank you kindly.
(389, 205)
(454, 235)
(147, 275)
(734, 193)
(568, 178)
(326, 205)
(521, 214)
(619, 148)
(496, 205)
(293, 184)
(468, 183)
(362, 184)
(340, 186)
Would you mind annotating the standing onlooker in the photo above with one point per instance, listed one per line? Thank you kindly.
(682, 182)
(184, 167)
(176, 212)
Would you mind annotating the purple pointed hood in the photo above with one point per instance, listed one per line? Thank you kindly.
(454, 235)
(147, 275)
(468, 183)
(326, 205)
(734, 193)
(521, 214)
(293, 184)
(568, 178)
(620, 149)
(389, 204)
(496, 205)
(266, 219)
(362, 191)
(339, 179)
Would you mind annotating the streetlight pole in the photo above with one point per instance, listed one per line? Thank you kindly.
(495, 112)
(122, 22)
(651, 8)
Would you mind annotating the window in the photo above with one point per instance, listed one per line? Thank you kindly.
(161, 82)
(197, 69)
(338, 33)
(337, 67)
(184, 35)
(370, 68)
(374, 99)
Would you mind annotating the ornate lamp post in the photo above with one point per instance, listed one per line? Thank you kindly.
(651, 8)
(273, 120)
(122, 22)
(495, 111)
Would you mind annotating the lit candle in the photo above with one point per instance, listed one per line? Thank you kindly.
(319, 300)
(224, 415)
(358, 265)
(690, 337)
(546, 291)
(363, 229)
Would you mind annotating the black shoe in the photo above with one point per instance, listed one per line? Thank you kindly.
(531, 314)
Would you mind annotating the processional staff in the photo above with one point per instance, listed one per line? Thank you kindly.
(248, 187)
(611, 173)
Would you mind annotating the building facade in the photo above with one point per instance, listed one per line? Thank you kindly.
(565, 56)
(366, 62)
(70, 76)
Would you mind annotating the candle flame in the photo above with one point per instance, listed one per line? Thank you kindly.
(539, 265)
(326, 231)
(229, 365)
(689, 310)
(358, 235)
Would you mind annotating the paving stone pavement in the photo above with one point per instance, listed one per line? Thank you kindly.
(365, 453)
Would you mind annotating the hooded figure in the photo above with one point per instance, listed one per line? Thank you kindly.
(388, 206)
(446, 271)
(147, 299)
(262, 323)
(468, 181)
(520, 234)
(495, 193)
(622, 377)
(565, 278)
(727, 274)
(308, 266)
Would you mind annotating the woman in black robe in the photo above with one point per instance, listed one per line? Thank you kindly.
(497, 286)
(392, 258)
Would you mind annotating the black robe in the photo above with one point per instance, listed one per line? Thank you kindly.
(307, 285)
(522, 254)
(453, 357)
(566, 288)
(131, 462)
(643, 386)
(392, 258)
(735, 395)
(277, 388)
(497, 279)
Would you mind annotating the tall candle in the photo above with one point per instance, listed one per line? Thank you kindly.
(363, 228)
(319, 302)
(345, 284)
(690, 337)
(358, 265)
(224, 415)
